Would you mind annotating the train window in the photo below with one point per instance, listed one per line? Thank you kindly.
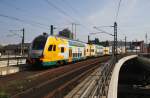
(50, 48)
(74, 54)
(87, 50)
(62, 49)
(54, 48)
(106, 50)
(92, 50)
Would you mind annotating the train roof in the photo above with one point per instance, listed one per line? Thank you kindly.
(72, 40)
(67, 38)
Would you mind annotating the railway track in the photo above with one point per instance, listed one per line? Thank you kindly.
(17, 84)
(58, 86)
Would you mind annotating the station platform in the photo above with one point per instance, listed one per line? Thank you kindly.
(8, 70)
(10, 66)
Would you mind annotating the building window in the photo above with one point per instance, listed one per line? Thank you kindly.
(62, 49)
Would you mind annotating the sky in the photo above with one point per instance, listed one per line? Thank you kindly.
(36, 16)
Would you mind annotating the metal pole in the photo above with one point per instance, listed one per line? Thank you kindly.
(146, 42)
(75, 31)
(115, 40)
(8, 60)
(121, 46)
(125, 44)
(51, 30)
(146, 39)
(88, 38)
(136, 46)
(21, 49)
(114, 46)
(23, 31)
(72, 31)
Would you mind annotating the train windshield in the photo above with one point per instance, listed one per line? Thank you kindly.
(39, 43)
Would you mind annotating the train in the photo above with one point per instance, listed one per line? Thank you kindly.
(47, 50)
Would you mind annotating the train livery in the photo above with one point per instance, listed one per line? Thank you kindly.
(47, 50)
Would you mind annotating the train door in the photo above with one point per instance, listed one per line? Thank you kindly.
(70, 55)
(84, 52)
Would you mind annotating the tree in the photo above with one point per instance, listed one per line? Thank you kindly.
(104, 43)
(66, 33)
(107, 43)
(96, 41)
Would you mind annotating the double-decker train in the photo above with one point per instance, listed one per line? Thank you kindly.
(47, 50)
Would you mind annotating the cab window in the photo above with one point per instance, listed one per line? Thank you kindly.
(39, 43)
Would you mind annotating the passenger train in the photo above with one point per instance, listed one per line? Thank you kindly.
(47, 50)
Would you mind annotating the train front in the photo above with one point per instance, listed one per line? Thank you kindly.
(36, 50)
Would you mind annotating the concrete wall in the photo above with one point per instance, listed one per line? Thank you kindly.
(113, 87)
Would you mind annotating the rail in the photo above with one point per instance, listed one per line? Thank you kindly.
(99, 88)
(99, 83)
